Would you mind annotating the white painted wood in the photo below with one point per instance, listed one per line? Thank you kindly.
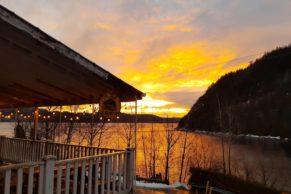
(67, 182)
(41, 179)
(102, 181)
(7, 181)
(30, 179)
(83, 177)
(124, 171)
(119, 172)
(90, 172)
(19, 181)
(108, 173)
(59, 179)
(75, 182)
(49, 174)
(114, 174)
(96, 179)
(107, 169)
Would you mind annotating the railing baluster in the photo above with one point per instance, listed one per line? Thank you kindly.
(124, 170)
(114, 174)
(103, 174)
(7, 181)
(30, 180)
(119, 171)
(59, 179)
(96, 179)
(83, 169)
(108, 173)
(19, 180)
(40, 179)
(75, 184)
(90, 176)
(67, 188)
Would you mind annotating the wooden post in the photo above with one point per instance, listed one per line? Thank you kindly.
(35, 126)
(130, 169)
(48, 181)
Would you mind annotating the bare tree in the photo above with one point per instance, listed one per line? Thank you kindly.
(95, 131)
(49, 124)
(185, 147)
(222, 136)
(153, 152)
(70, 129)
(171, 140)
(144, 147)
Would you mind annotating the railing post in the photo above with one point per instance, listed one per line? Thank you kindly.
(1, 147)
(48, 179)
(130, 169)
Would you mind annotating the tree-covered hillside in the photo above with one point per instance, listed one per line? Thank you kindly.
(254, 100)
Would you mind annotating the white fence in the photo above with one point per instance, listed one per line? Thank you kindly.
(25, 150)
(85, 172)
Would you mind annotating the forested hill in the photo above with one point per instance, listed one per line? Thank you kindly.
(254, 100)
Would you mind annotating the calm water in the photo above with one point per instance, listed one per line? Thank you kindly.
(265, 161)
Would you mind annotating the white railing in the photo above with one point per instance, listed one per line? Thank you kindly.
(24, 150)
(104, 173)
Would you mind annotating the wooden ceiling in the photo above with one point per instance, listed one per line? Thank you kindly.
(35, 74)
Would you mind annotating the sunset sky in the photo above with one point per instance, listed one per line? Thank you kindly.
(171, 50)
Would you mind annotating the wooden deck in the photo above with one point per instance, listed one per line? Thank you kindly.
(45, 167)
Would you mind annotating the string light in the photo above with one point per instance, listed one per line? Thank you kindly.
(48, 116)
(108, 120)
(77, 118)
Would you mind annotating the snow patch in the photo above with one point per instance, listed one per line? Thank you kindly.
(160, 185)
(241, 135)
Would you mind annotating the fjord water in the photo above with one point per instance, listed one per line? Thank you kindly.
(267, 161)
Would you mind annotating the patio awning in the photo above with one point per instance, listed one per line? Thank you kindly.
(37, 70)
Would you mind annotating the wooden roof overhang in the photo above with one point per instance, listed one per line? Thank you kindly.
(37, 70)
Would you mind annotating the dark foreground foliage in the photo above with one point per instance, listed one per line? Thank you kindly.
(226, 182)
(254, 100)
